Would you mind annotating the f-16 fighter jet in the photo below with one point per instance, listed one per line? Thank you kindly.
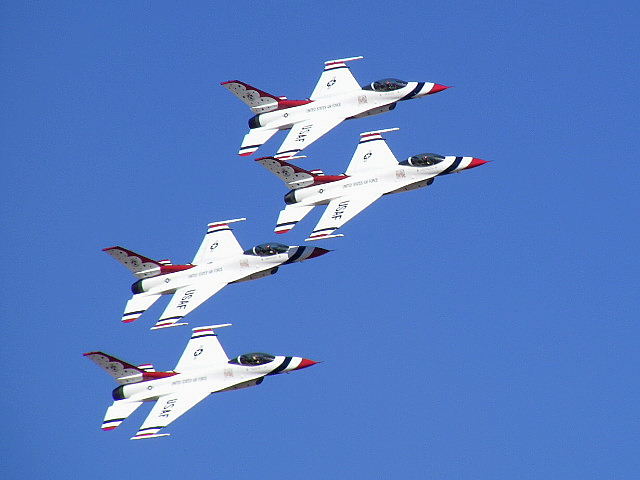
(220, 260)
(337, 97)
(373, 172)
(203, 369)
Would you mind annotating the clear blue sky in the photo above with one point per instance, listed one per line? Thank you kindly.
(484, 328)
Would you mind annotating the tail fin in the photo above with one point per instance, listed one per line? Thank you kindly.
(258, 100)
(122, 371)
(140, 266)
(292, 175)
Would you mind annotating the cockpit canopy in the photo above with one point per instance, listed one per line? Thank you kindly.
(268, 249)
(385, 85)
(253, 359)
(423, 160)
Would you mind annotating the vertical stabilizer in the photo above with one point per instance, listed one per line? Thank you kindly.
(140, 266)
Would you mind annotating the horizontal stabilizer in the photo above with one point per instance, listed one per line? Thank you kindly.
(254, 140)
(137, 305)
(140, 266)
(290, 216)
(118, 412)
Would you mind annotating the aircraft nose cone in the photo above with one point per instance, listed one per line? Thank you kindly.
(437, 88)
(476, 162)
(317, 251)
(305, 363)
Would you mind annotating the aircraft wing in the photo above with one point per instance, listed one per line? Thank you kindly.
(304, 133)
(335, 79)
(169, 408)
(219, 242)
(185, 300)
(339, 211)
(203, 349)
(372, 153)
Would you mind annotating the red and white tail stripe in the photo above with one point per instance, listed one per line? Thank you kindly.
(199, 331)
(288, 154)
(222, 225)
(150, 432)
(375, 134)
(322, 236)
(249, 150)
(111, 424)
(168, 322)
(131, 316)
(330, 64)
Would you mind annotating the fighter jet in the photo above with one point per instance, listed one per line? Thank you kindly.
(372, 173)
(337, 97)
(220, 260)
(203, 369)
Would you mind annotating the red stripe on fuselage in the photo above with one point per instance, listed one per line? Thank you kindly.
(154, 375)
(319, 179)
(282, 104)
(174, 268)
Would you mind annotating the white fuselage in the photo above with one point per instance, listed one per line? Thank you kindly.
(400, 178)
(347, 105)
(226, 270)
(225, 376)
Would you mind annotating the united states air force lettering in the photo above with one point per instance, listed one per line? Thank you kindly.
(360, 182)
(206, 272)
(324, 107)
